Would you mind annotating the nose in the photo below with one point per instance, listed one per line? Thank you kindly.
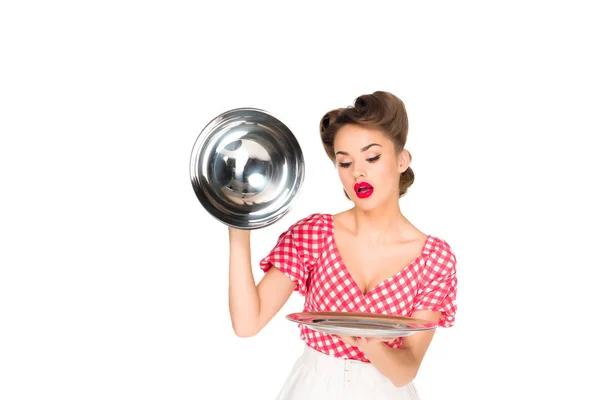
(358, 173)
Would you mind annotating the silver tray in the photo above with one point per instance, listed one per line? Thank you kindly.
(365, 325)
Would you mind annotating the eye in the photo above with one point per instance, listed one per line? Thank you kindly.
(373, 159)
(344, 164)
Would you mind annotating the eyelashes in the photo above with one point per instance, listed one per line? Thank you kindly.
(371, 160)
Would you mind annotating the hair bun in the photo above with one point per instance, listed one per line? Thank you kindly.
(407, 178)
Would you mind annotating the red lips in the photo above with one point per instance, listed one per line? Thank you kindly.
(363, 190)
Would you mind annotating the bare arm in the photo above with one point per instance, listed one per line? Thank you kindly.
(401, 365)
(251, 307)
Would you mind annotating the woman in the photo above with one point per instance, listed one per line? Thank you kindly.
(369, 258)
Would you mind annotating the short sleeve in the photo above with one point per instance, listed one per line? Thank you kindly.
(297, 251)
(439, 284)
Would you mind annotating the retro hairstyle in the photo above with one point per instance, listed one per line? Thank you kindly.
(379, 110)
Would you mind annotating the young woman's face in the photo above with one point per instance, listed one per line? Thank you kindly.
(368, 165)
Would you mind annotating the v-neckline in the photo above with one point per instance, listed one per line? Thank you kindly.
(366, 294)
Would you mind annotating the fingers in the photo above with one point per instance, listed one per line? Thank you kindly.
(359, 341)
(383, 339)
(349, 340)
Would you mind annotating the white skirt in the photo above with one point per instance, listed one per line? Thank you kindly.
(317, 376)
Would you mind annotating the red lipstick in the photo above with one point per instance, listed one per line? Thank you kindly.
(363, 190)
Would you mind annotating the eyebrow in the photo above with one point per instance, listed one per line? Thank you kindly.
(363, 149)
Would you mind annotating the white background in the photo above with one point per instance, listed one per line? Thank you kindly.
(113, 278)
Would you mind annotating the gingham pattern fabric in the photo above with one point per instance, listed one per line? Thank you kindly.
(308, 255)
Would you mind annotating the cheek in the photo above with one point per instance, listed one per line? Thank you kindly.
(388, 171)
(345, 175)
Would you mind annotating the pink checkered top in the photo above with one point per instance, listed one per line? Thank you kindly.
(308, 255)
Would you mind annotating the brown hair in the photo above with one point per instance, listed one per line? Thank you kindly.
(379, 110)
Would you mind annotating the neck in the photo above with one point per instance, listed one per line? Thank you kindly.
(378, 224)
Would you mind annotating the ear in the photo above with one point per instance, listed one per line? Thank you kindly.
(404, 159)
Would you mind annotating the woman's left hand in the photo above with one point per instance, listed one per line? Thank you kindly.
(360, 342)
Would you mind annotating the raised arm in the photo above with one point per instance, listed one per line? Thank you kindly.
(252, 306)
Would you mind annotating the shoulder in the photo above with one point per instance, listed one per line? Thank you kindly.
(312, 222)
(309, 229)
(306, 237)
(440, 255)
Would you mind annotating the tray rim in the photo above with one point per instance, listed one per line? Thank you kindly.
(418, 323)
